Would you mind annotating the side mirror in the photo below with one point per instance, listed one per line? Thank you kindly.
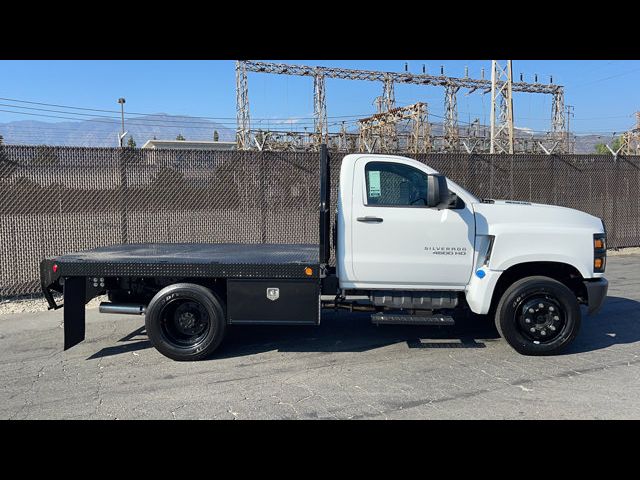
(437, 192)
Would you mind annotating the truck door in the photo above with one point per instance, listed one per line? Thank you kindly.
(399, 242)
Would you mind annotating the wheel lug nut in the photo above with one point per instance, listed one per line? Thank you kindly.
(540, 305)
(527, 320)
(551, 309)
(552, 328)
(543, 332)
(532, 329)
(531, 310)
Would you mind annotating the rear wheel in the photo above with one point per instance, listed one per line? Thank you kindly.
(185, 321)
(538, 316)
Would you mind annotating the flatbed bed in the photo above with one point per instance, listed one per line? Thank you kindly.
(84, 274)
(219, 260)
(260, 283)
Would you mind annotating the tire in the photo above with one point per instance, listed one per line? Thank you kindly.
(185, 322)
(538, 316)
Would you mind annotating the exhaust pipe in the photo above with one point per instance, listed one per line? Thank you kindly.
(122, 308)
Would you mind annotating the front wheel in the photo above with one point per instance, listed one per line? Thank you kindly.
(185, 321)
(538, 316)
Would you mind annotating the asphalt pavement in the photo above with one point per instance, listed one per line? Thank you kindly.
(346, 368)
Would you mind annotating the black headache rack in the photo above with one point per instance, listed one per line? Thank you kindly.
(298, 268)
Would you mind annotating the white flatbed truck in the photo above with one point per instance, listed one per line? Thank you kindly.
(412, 247)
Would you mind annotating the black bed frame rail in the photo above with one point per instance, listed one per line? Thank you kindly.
(325, 206)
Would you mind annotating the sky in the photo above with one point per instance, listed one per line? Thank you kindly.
(604, 93)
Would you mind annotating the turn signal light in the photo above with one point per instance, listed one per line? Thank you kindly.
(599, 252)
(308, 271)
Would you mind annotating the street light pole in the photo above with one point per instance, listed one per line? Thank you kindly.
(124, 221)
(122, 101)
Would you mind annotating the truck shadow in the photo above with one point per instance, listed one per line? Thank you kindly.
(353, 332)
(617, 323)
(134, 341)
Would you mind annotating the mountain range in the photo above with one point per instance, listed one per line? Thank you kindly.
(103, 132)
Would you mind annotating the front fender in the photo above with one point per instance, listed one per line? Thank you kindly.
(480, 289)
(572, 246)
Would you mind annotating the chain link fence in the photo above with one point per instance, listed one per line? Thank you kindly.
(57, 200)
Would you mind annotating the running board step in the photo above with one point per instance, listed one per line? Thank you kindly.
(386, 319)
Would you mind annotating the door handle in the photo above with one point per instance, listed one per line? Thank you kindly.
(370, 219)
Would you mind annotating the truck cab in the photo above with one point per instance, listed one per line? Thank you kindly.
(409, 237)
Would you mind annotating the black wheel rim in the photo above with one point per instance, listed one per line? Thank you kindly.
(185, 323)
(540, 318)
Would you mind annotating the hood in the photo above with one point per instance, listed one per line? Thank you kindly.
(492, 216)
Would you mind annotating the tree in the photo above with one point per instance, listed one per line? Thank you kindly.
(601, 148)
(216, 137)
(180, 137)
(131, 143)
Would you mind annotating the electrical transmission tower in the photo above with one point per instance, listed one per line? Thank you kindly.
(387, 101)
(243, 126)
(558, 129)
(502, 101)
(451, 132)
(631, 139)
(388, 94)
(374, 129)
(319, 110)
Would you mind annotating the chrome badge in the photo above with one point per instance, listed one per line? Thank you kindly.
(273, 293)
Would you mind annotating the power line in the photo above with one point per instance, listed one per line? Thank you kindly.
(606, 78)
(160, 114)
(99, 109)
(97, 120)
(179, 122)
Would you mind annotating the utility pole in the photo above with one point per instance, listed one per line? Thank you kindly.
(636, 137)
(570, 114)
(124, 220)
(122, 101)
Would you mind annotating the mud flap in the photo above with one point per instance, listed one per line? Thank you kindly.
(74, 302)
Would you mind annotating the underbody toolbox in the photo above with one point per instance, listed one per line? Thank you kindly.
(275, 301)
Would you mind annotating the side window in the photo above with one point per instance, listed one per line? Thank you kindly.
(394, 184)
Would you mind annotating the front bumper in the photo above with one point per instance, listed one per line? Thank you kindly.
(596, 293)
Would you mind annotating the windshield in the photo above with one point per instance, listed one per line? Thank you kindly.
(466, 194)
